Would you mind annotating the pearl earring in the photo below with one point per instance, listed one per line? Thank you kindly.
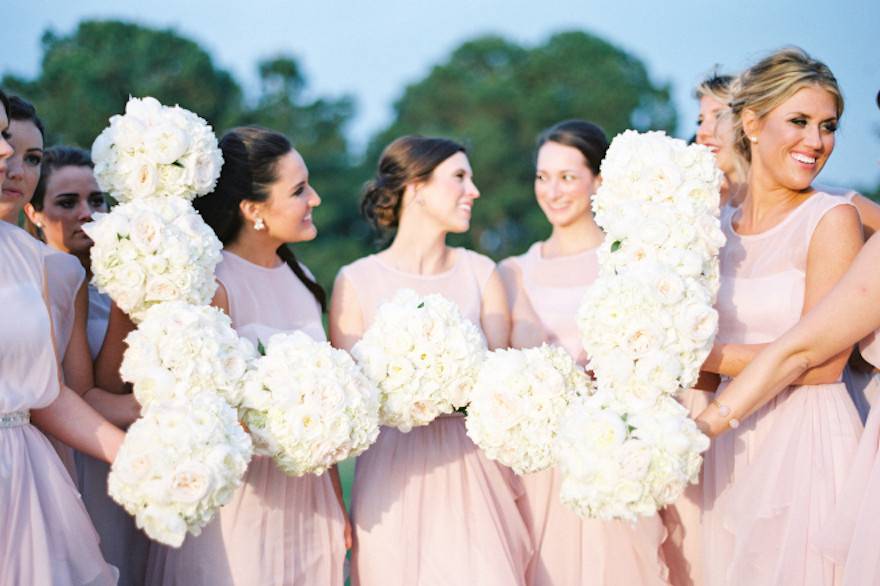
(259, 224)
(753, 139)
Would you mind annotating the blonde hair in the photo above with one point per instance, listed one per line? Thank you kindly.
(771, 81)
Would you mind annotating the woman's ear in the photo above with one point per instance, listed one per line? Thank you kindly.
(35, 217)
(751, 125)
(250, 210)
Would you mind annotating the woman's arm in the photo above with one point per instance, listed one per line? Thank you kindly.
(109, 359)
(346, 322)
(120, 410)
(75, 423)
(494, 314)
(337, 488)
(525, 326)
(834, 244)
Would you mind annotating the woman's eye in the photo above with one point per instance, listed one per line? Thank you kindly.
(33, 160)
(67, 204)
(568, 177)
(830, 127)
(799, 122)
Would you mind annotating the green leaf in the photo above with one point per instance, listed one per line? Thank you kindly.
(260, 348)
(615, 246)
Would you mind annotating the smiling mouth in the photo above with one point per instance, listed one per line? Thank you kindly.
(802, 158)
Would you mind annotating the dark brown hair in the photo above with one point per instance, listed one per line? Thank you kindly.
(585, 136)
(250, 167)
(20, 109)
(406, 160)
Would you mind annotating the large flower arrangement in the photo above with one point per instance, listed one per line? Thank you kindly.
(153, 250)
(423, 355)
(180, 350)
(647, 324)
(179, 463)
(518, 401)
(308, 405)
(156, 151)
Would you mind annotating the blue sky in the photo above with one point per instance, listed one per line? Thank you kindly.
(372, 49)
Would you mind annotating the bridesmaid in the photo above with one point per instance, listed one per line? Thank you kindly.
(65, 198)
(45, 536)
(277, 529)
(715, 130)
(428, 507)
(67, 291)
(544, 288)
(774, 476)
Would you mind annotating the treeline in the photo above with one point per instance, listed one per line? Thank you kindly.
(492, 94)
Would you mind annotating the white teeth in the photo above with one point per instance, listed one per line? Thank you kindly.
(803, 158)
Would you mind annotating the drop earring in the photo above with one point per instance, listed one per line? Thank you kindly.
(753, 139)
(259, 224)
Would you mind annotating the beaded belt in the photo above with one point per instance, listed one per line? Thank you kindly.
(15, 419)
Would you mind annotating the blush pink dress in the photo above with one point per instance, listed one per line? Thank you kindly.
(277, 530)
(45, 534)
(771, 483)
(851, 537)
(428, 507)
(571, 550)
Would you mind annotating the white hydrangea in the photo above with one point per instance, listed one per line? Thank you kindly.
(151, 251)
(156, 151)
(179, 463)
(180, 349)
(621, 464)
(308, 405)
(423, 355)
(517, 402)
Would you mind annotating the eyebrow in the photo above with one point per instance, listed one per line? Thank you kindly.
(805, 115)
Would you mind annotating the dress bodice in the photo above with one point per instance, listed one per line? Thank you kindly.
(763, 276)
(555, 288)
(263, 301)
(28, 362)
(376, 282)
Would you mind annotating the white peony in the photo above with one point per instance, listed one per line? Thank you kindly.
(181, 349)
(153, 250)
(517, 402)
(154, 150)
(179, 463)
(308, 405)
(423, 355)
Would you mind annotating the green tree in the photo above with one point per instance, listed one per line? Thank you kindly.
(496, 96)
(88, 75)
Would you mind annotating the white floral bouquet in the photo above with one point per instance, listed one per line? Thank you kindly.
(308, 405)
(179, 463)
(151, 251)
(518, 401)
(423, 355)
(647, 333)
(154, 150)
(180, 350)
(620, 464)
(648, 321)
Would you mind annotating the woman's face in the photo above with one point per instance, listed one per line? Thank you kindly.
(5, 148)
(287, 213)
(447, 197)
(23, 167)
(72, 197)
(794, 140)
(564, 184)
(715, 130)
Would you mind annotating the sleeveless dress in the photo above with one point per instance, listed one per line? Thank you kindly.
(277, 530)
(852, 534)
(122, 543)
(571, 550)
(428, 507)
(45, 534)
(771, 483)
(65, 275)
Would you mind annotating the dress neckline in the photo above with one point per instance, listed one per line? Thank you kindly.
(255, 266)
(459, 254)
(773, 229)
